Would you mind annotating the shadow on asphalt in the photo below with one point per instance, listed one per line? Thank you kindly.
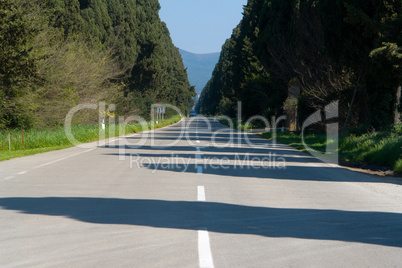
(233, 157)
(377, 228)
(244, 162)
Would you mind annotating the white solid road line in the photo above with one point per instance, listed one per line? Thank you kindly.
(64, 158)
(53, 162)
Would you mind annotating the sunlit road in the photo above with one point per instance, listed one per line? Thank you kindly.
(191, 203)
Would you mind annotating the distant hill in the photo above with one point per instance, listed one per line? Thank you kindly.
(200, 67)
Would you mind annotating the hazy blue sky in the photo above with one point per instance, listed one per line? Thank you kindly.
(201, 26)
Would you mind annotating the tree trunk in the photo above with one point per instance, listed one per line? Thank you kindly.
(364, 110)
(350, 110)
(352, 102)
(397, 115)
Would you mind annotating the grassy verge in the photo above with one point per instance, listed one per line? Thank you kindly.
(375, 148)
(45, 140)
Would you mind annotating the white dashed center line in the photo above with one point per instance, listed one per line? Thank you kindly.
(204, 250)
(199, 170)
(204, 246)
(201, 194)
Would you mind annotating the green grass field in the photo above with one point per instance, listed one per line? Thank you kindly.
(379, 148)
(45, 140)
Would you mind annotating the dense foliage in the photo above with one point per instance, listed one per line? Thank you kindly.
(346, 50)
(55, 54)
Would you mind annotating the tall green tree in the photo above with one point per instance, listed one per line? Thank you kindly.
(17, 65)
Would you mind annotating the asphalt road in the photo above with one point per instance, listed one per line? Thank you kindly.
(191, 203)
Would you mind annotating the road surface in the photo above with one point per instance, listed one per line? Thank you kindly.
(204, 200)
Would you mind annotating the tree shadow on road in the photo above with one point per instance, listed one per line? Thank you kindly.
(378, 228)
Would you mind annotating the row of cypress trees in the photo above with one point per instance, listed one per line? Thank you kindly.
(56, 54)
(346, 50)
